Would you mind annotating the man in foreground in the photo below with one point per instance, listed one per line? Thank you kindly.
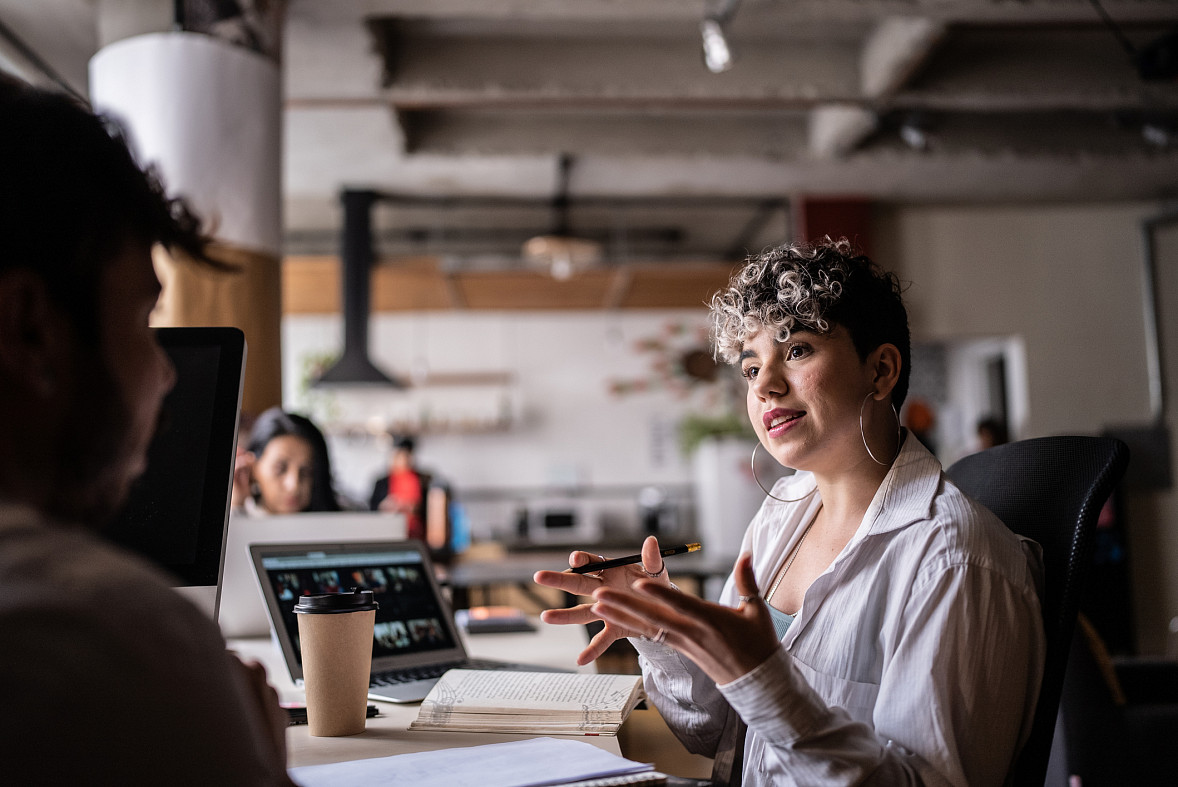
(107, 676)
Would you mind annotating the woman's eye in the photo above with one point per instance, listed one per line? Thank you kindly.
(797, 351)
(749, 372)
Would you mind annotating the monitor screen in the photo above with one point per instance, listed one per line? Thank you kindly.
(177, 509)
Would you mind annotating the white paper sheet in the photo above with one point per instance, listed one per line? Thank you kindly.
(529, 763)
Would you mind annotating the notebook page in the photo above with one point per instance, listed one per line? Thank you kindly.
(529, 763)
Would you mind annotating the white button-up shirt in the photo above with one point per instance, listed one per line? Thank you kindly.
(916, 657)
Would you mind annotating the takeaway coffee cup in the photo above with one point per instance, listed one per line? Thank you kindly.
(335, 639)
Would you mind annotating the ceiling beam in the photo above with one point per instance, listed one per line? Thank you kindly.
(895, 50)
(892, 52)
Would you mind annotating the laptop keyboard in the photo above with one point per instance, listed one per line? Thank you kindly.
(428, 671)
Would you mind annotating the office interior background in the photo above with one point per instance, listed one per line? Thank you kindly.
(553, 189)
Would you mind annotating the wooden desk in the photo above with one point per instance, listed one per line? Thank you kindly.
(516, 569)
(645, 734)
(388, 733)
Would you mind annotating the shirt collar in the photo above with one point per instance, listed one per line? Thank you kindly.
(907, 492)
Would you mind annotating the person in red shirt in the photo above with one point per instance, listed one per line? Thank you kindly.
(404, 489)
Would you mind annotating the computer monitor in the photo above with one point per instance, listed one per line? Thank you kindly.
(177, 511)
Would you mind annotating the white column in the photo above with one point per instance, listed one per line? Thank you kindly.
(207, 114)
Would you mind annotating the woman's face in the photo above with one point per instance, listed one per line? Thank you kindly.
(283, 475)
(804, 396)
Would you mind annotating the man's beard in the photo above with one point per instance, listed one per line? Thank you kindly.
(95, 449)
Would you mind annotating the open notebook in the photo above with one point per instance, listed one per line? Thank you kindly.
(415, 639)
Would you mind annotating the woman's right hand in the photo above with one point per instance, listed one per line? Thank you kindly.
(243, 476)
(651, 568)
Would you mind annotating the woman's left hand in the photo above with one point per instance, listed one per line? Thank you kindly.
(725, 642)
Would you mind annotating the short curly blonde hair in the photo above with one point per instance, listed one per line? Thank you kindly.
(816, 287)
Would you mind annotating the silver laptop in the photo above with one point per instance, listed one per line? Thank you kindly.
(243, 609)
(415, 639)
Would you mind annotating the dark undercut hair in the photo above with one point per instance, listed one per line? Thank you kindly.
(814, 287)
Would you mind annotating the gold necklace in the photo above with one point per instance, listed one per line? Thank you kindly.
(790, 562)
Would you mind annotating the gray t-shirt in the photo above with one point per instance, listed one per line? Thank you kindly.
(107, 676)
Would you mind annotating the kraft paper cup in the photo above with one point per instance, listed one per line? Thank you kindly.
(335, 635)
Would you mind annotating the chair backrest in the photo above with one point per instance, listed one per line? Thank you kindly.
(1050, 489)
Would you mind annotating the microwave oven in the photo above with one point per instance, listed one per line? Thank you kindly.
(562, 521)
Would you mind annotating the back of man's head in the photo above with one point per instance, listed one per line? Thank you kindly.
(71, 195)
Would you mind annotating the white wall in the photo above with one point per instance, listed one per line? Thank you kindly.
(1065, 280)
(567, 428)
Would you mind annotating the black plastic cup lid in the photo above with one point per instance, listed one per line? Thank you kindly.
(333, 603)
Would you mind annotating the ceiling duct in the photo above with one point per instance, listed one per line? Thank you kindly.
(357, 256)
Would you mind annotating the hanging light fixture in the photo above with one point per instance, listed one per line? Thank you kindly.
(559, 252)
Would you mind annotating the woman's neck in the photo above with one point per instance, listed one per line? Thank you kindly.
(847, 495)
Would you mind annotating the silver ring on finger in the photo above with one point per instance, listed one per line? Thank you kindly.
(658, 573)
(595, 574)
(750, 597)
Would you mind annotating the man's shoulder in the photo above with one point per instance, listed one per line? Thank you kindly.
(86, 584)
(89, 626)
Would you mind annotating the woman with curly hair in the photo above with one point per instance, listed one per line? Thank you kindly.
(898, 639)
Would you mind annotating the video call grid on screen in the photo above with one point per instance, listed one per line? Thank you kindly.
(409, 619)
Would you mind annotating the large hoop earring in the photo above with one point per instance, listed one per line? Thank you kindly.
(753, 466)
(863, 434)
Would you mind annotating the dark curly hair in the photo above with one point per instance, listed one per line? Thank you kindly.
(816, 287)
(71, 194)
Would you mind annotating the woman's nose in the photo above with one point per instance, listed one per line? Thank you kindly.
(768, 384)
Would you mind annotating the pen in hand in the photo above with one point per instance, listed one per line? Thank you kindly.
(630, 560)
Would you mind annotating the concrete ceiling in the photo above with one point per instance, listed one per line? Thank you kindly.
(470, 105)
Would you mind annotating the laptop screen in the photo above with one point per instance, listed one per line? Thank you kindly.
(414, 625)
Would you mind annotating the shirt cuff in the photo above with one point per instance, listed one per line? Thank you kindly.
(774, 699)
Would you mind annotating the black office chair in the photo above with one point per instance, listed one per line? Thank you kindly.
(1118, 718)
(1050, 489)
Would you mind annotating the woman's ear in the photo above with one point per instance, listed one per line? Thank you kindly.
(885, 365)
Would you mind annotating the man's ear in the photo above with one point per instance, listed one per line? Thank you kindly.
(32, 334)
(885, 365)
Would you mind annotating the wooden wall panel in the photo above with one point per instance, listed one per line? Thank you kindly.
(677, 286)
(311, 285)
(532, 290)
(248, 299)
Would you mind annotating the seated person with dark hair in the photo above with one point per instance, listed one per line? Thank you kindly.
(285, 469)
(108, 676)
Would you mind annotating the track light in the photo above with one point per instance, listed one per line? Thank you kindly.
(914, 136)
(717, 53)
(914, 131)
(1157, 134)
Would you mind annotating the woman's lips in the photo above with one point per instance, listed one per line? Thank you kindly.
(778, 421)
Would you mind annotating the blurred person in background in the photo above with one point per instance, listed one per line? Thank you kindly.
(992, 432)
(285, 468)
(422, 497)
